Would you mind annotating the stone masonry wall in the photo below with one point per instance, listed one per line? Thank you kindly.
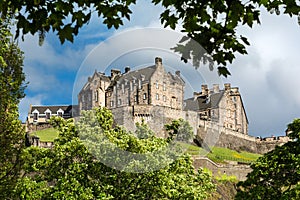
(240, 171)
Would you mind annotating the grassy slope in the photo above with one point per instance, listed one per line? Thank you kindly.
(219, 154)
(46, 135)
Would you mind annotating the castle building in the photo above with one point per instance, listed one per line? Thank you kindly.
(93, 92)
(156, 96)
(223, 107)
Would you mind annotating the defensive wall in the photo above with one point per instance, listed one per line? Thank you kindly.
(240, 171)
(227, 138)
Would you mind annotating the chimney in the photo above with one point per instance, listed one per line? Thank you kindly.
(158, 61)
(204, 90)
(127, 69)
(177, 73)
(227, 86)
(114, 73)
(216, 88)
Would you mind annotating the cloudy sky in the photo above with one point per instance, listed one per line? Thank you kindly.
(267, 76)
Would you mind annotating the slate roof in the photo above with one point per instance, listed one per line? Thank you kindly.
(202, 103)
(146, 73)
(53, 108)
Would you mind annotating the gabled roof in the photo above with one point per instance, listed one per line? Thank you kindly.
(53, 108)
(100, 75)
(202, 103)
(146, 72)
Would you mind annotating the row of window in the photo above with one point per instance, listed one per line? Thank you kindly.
(164, 86)
(96, 93)
(136, 97)
(47, 115)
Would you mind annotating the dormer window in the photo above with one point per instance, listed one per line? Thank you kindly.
(60, 112)
(48, 114)
(35, 116)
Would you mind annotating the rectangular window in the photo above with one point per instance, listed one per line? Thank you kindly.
(35, 116)
(111, 103)
(96, 95)
(164, 86)
(144, 96)
(47, 115)
(140, 84)
(123, 88)
(60, 114)
(157, 96)
(156, 84)
(164, 98)
(120, 102)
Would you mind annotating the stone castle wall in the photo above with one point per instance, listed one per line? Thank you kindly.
(227, 138)
(239, 171)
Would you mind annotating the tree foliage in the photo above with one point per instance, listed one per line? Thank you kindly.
(180, 130)
(73, 170)
(213, 24)
(11, 91)
(276, 175)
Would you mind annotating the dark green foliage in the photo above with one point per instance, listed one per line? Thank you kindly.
(276, 175)
(71, 170)
(180, 130)
(63, 17)
(12, 135)
(212, 24)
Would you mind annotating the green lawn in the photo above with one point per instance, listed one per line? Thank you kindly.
(219, 154)
(46, 135)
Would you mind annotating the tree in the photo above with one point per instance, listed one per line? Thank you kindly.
(73, 170)
(12, 134)
(180, 130)
(276, 175)
(212, 24)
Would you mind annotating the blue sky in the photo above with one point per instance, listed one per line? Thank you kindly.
(268, 77)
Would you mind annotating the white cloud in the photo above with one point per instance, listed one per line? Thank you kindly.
(268, 76)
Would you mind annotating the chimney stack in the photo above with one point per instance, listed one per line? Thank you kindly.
(127, 69)
(114, 73)
(216, 88)
(227, 86)
(158, 61)
(204, 90)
